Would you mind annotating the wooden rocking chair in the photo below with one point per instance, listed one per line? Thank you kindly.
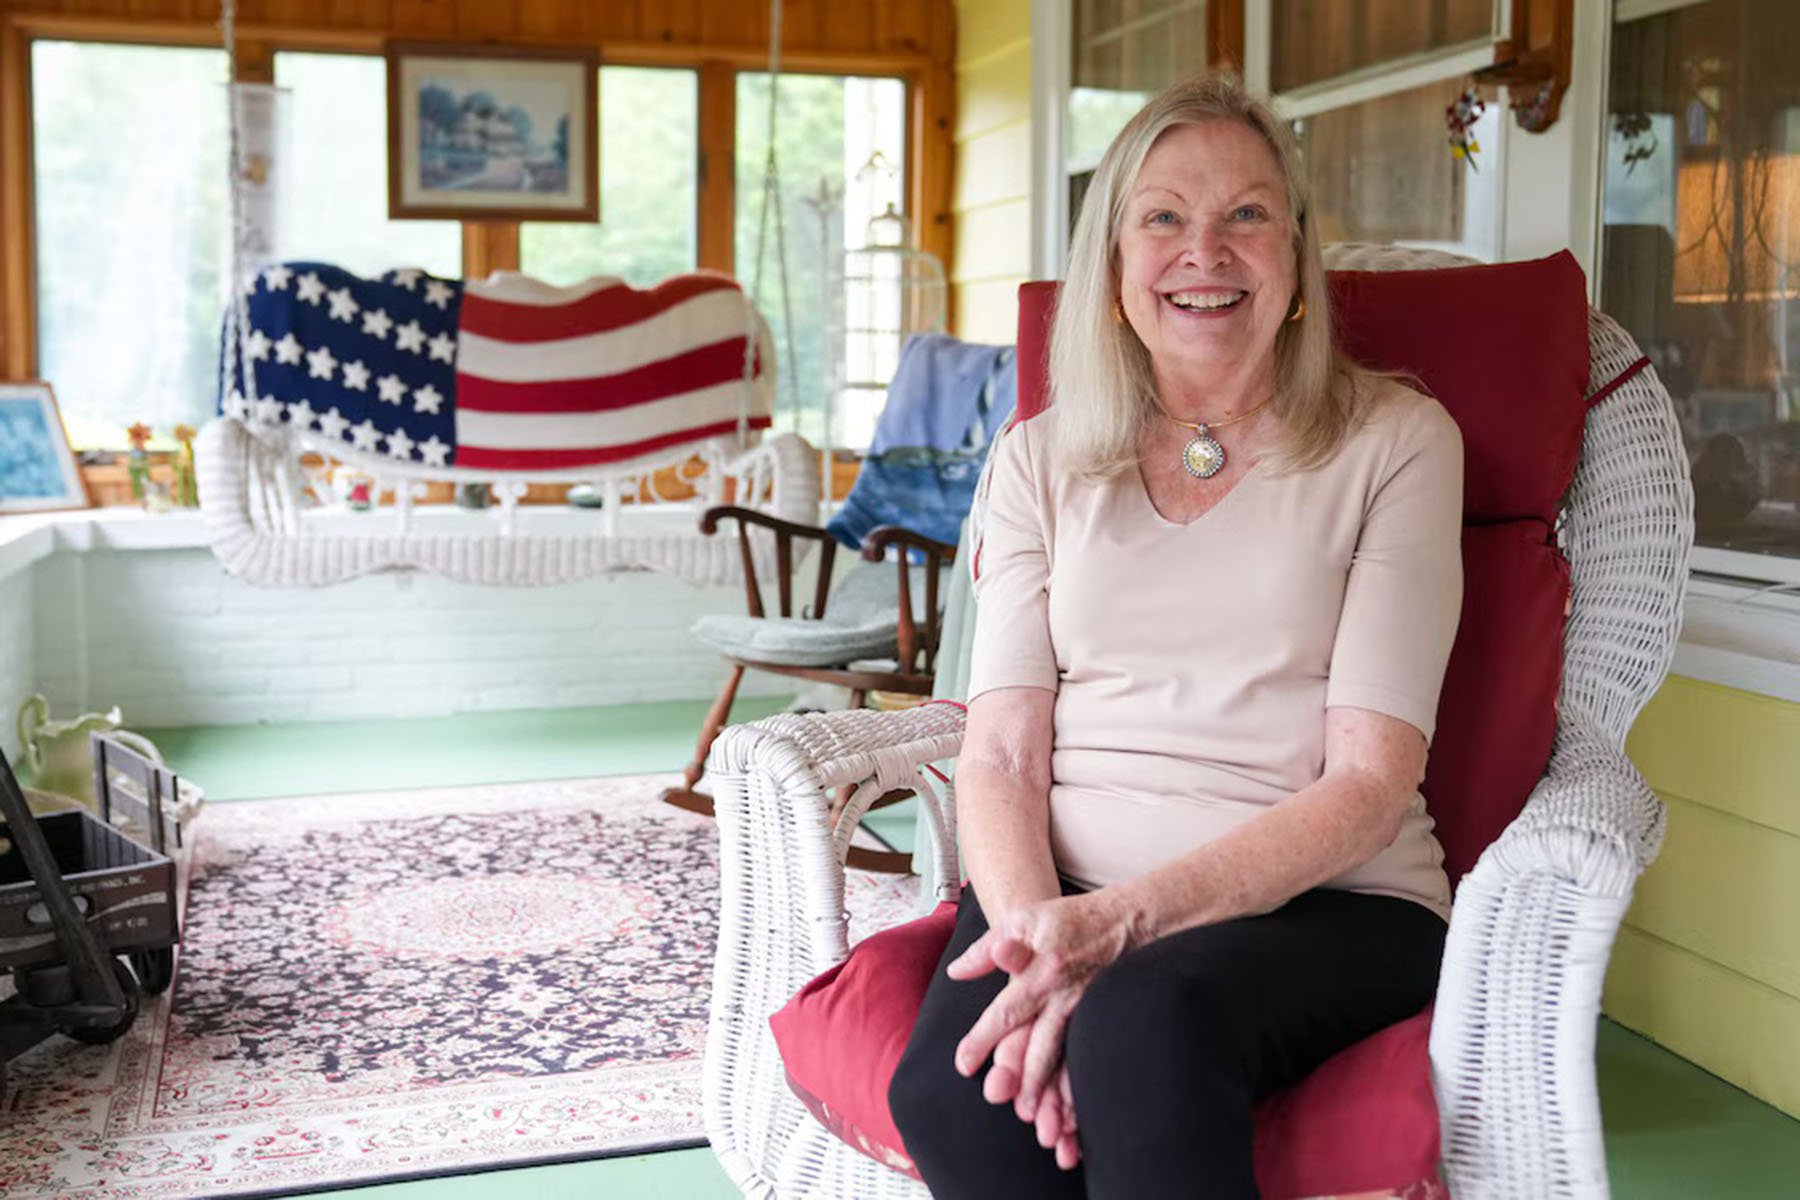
(832, 651)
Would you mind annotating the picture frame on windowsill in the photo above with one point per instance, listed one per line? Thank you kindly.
(38, 472)
(499, 133)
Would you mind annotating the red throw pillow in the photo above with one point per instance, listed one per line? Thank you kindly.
(1365, 1119)
(842, 1035)
(1516, 386)
(1497, 712)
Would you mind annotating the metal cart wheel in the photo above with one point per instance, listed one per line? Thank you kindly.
(100, 1035)
(154, 969)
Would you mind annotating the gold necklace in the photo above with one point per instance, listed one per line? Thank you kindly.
(1204, 457)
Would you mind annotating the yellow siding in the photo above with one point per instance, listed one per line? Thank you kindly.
(993, 91)
(1729, 890)
(1740, 1030)
(984, 26)
(1708, 963)
(1731, 750)
(999, 238)
(989, 312)
(993, 166)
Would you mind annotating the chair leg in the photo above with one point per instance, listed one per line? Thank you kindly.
(716, 717)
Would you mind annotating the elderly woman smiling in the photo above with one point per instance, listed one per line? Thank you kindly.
(1220, 578)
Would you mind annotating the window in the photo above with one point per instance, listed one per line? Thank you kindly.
(842, 157)
(649, 186)
(129, 175)
(1315, 42)
(1701, 246)
(1374, 138)
(1380, 173)
(1365, 84)
(335, 206)
(1124, 53)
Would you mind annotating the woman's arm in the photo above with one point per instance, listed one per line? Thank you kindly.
(1003, 798)
(1373, 765)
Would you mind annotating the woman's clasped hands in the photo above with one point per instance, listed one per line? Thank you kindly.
(1052, 950)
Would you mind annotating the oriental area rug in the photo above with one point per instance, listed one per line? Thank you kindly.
(401, 985)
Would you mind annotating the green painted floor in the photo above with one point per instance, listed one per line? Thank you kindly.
(1673, 1132)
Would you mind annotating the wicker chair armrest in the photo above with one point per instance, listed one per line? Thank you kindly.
(1591, 820)
(1512, 1042)
(783, 839)
(783, 921)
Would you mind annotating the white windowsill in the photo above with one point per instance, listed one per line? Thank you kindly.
(1741, 635)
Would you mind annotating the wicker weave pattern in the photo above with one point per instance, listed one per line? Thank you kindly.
(250, 496)
(1512, 1046)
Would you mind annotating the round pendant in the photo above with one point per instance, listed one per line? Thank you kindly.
(1203, 457)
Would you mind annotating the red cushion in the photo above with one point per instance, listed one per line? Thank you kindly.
(1497, 711)
(1504, 348)
(1364, 1120)
(841, 1035)
(1515, 385)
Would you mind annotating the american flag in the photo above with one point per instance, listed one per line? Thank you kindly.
(504, 375)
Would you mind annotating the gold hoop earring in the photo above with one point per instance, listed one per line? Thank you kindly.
(1118, 312)
(1299, 309)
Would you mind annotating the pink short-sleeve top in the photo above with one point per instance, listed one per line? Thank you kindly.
(1193, 664)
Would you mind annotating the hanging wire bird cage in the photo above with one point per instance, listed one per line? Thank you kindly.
(891, 292)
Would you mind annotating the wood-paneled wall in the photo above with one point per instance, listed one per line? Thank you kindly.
(915, 39)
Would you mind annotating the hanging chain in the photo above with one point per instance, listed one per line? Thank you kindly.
(771, 204)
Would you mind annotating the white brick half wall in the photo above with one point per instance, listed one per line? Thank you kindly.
(17, 638)
(173, 640)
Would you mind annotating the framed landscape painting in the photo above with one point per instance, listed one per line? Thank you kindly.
(37, 468)
(496, 133)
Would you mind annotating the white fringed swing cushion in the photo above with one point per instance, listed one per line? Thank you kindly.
(862, 620)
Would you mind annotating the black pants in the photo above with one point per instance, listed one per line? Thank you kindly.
(1169, 1049)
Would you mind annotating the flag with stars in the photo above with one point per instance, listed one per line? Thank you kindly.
(508, 375)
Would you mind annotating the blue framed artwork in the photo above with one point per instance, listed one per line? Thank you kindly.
(37, 469)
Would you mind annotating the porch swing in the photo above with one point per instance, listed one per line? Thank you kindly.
(267, 460)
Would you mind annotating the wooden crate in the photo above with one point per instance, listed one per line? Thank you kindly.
(126, 891)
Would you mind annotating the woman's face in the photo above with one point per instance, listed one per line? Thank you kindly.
(1206, 252)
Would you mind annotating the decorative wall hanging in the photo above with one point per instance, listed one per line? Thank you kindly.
(1460, 118)
(493, 133)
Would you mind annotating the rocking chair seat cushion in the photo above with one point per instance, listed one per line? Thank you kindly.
(862, 620)
(1364, 1120)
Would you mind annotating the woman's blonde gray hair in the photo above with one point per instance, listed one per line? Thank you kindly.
(1102, 383)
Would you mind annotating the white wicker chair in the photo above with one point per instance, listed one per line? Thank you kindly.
(1512, 1046)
